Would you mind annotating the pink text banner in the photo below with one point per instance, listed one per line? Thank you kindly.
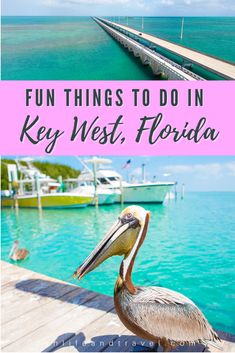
(117, 118)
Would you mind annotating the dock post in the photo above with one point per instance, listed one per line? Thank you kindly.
(38, 193)
(10, 188)
(182, 29)
(95, 185)
(11, 193)
(143, 172)
(16, 204)
(182, 192)
(15, 191)
(121, 189)
(176, 195)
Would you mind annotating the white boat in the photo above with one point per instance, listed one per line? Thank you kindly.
(83, 185)
(34, 189)
(87, 183)
(145, 192)
(53, 200)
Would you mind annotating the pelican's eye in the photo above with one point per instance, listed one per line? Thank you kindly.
(130, 218)
(127, 217)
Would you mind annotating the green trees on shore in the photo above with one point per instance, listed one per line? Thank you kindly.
(54, 170)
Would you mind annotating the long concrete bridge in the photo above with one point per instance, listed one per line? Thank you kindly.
(160, 63)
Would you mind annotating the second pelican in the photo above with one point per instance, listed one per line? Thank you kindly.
(154, 313)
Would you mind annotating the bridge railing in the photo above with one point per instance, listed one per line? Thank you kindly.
(177, 70)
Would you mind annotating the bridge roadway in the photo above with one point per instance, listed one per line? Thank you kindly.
(221, 68)
(157, 62)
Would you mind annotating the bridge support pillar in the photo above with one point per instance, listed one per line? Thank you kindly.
(144, 59)
(156, 68)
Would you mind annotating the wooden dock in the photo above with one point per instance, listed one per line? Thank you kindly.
(220, 67)
(43, 314)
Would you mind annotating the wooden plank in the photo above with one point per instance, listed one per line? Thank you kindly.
(7, 287)
(44, 314)
(57, 330)
(129, 343)
(97, 336)
(16, 302)
(25, 281)
(228, 341)
(68, 349)
(228, 346)
(9, 275)
(4, 265)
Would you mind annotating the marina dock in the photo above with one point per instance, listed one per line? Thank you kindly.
(40, 313)
(224, 69)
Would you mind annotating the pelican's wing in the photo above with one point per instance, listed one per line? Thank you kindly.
(160, 295)
(168, 314)
(22, 254)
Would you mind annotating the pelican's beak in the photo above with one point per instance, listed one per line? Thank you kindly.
(112, 244)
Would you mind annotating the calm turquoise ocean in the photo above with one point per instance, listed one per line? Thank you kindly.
(189, 247)
(76, 48)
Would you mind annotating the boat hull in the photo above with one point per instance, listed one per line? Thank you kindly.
(105, 199)
(144, 193)
(49, 201)
(110, 199)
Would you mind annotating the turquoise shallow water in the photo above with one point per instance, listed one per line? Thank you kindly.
(189, 248)
(76, 48)
(64, 48)
(211, 35)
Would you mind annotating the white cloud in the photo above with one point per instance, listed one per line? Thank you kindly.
(119, 7)
(209, 4)
(167, 2)
(231, 168)
(136, 172)
(97, 2)
(203, 171)
(53, 3)
(88, 2)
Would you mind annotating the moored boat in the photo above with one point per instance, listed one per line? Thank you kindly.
(104, 196)
(34, 189)
(109, 179)
(54, 200)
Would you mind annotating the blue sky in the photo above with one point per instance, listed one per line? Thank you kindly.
(198, 173)
(119, 7)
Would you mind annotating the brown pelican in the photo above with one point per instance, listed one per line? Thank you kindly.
(154, 313)
(16, 253)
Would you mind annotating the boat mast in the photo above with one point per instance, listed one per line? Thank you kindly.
(182, 29)
(95, 184)
(143, 173)
(84, 164)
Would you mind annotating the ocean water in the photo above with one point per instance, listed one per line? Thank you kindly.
(63, 48)
(76, 48)
(211, 35)
(189, 248)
